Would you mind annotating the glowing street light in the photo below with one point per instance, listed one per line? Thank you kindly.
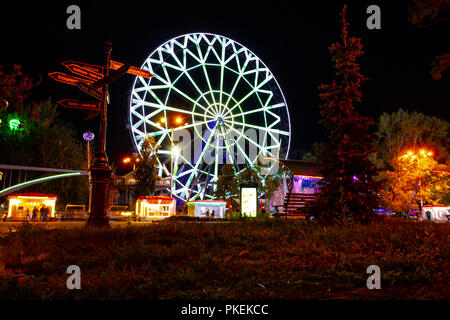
(178, 121)
(134, 159)
(421, 154)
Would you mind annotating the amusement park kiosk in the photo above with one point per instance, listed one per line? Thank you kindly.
(207, 208)
(155, 207)
(19, 203)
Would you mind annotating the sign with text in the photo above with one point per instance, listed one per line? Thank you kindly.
(65, 78)
(78, 104)
(90, 67)
(90, 90)
(85, 72)
(132, 70)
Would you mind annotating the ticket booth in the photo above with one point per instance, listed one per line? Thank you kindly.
(21, 203)
(155, 207)
(207, 208)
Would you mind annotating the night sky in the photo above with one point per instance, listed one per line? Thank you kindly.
(292, 41)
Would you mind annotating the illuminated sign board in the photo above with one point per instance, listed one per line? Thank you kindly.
(249, 199)
(77, 104)
(68, 79)
(132, 70)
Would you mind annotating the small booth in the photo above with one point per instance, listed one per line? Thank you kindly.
(435, 213)
(207, 208)
(21, 203)
(155, 207)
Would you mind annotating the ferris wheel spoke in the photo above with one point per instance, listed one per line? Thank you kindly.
(166, 107)
(278, 105)
(227, 146)
(249, 94)
(246, 138)
(202, 154)
(197, 88)
(180, 92)
(263, 128)
(203, 60)
(235, 85)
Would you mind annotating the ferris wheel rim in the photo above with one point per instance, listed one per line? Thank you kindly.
(136, 138)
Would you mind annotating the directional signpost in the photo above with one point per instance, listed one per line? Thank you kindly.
(68, 79)
(112, 76)
(132, 70)
(78, 104)
(90, 90)
(96, 77)
(90, 67)
(83, 71)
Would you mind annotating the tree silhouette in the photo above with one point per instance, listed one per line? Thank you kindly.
(348, 188)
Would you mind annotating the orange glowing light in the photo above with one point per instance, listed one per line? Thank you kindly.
(422, 152)
(163, 119)
(126, 160)
(178, 120)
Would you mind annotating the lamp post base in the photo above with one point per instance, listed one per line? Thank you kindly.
(100, 176)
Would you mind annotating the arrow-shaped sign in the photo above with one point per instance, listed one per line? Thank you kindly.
(90, 67)
(90, 90)
(78, 104)
(112, 76)
(82, 71)
(133, 70)
(65, 78)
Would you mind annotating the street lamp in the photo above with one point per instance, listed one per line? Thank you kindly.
(420, 155)
(177, 122)
(135, 159)
(88, 136)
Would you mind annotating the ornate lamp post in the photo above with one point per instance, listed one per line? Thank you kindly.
(88, 136)
(100, 170)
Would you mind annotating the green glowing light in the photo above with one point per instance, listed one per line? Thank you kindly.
(14, 124)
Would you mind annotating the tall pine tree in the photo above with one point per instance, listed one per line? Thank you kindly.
(348, 188)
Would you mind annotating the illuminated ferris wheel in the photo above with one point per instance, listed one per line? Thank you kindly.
(211, 101)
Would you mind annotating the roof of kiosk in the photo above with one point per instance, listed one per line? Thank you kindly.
(157, 199)
(211, 203)
(33, 195)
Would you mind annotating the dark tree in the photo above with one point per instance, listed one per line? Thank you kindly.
(348, 188)
(33, 134)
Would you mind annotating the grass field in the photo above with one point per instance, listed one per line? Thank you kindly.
(250, 259)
